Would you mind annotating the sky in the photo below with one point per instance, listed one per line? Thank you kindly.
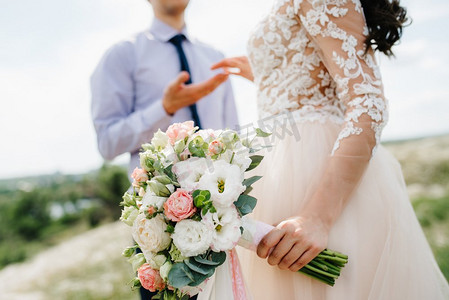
(50, 48)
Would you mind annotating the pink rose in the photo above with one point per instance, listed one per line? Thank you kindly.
(216, 147)
(151, 210)
(150, 278)
(179, 131)
(139, 175)
(179, 206)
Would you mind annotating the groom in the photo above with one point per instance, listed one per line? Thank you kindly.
(156, 78)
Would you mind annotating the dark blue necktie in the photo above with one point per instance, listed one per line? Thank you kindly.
(177, 42)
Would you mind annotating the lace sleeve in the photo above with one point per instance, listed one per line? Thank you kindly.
(338, 29)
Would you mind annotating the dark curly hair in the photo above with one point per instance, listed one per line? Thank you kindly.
(385, 20)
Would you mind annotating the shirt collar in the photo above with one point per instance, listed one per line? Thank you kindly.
(165, 32)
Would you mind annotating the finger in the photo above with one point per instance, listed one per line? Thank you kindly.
(292, 256)
(180, 79)
(224, 63)
(305, 258)
(211, 84)
(280, 250)
(269, 241)
(194, 92)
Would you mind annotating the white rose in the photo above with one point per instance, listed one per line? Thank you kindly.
(192, 237)
(150, 199)
(165, 269)
(159, 140)
(224, 183)
(150, 233)
(189, 172)
(170, 156)
(227, 225)
(129, 214)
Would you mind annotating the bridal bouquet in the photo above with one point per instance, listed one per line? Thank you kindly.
(186, 210)
(186, 206)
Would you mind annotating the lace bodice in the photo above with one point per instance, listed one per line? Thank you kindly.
(309, 56)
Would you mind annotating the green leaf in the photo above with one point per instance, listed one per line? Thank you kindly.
(168, 171)
(180, 275)
(245, 204)
(201, 198)
(255, 161)
(196, 193)
(261, 133)
(204, 211)
(199, 267)
(170, 228)
(249, 181)
(196, 217)
(205, 193)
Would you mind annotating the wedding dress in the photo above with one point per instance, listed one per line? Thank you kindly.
(322, 95)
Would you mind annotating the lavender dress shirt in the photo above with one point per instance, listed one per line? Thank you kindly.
(128, 84)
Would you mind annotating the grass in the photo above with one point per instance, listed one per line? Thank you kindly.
(433, 214)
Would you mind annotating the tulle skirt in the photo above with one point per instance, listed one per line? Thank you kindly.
(389, 257)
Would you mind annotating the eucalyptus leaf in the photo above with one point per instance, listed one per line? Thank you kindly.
(249, 181)
(205, 261)
(245, 204)
(219, 257)
(180, 275)
(199, 278)
(198, 267)
(255, 161)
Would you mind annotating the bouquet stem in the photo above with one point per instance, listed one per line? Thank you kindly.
(326, 266)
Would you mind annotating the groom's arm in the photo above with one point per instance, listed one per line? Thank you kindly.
(119, 127)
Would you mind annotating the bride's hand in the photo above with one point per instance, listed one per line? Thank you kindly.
(240, 63)
(294, 242)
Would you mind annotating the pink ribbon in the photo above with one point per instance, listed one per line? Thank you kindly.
(238, 284)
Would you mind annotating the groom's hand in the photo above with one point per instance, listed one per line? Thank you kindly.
(178, 94)
(294, 243)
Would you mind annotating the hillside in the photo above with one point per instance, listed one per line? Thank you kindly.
(88, 266)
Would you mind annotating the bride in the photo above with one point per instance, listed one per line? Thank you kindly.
(336, 187)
